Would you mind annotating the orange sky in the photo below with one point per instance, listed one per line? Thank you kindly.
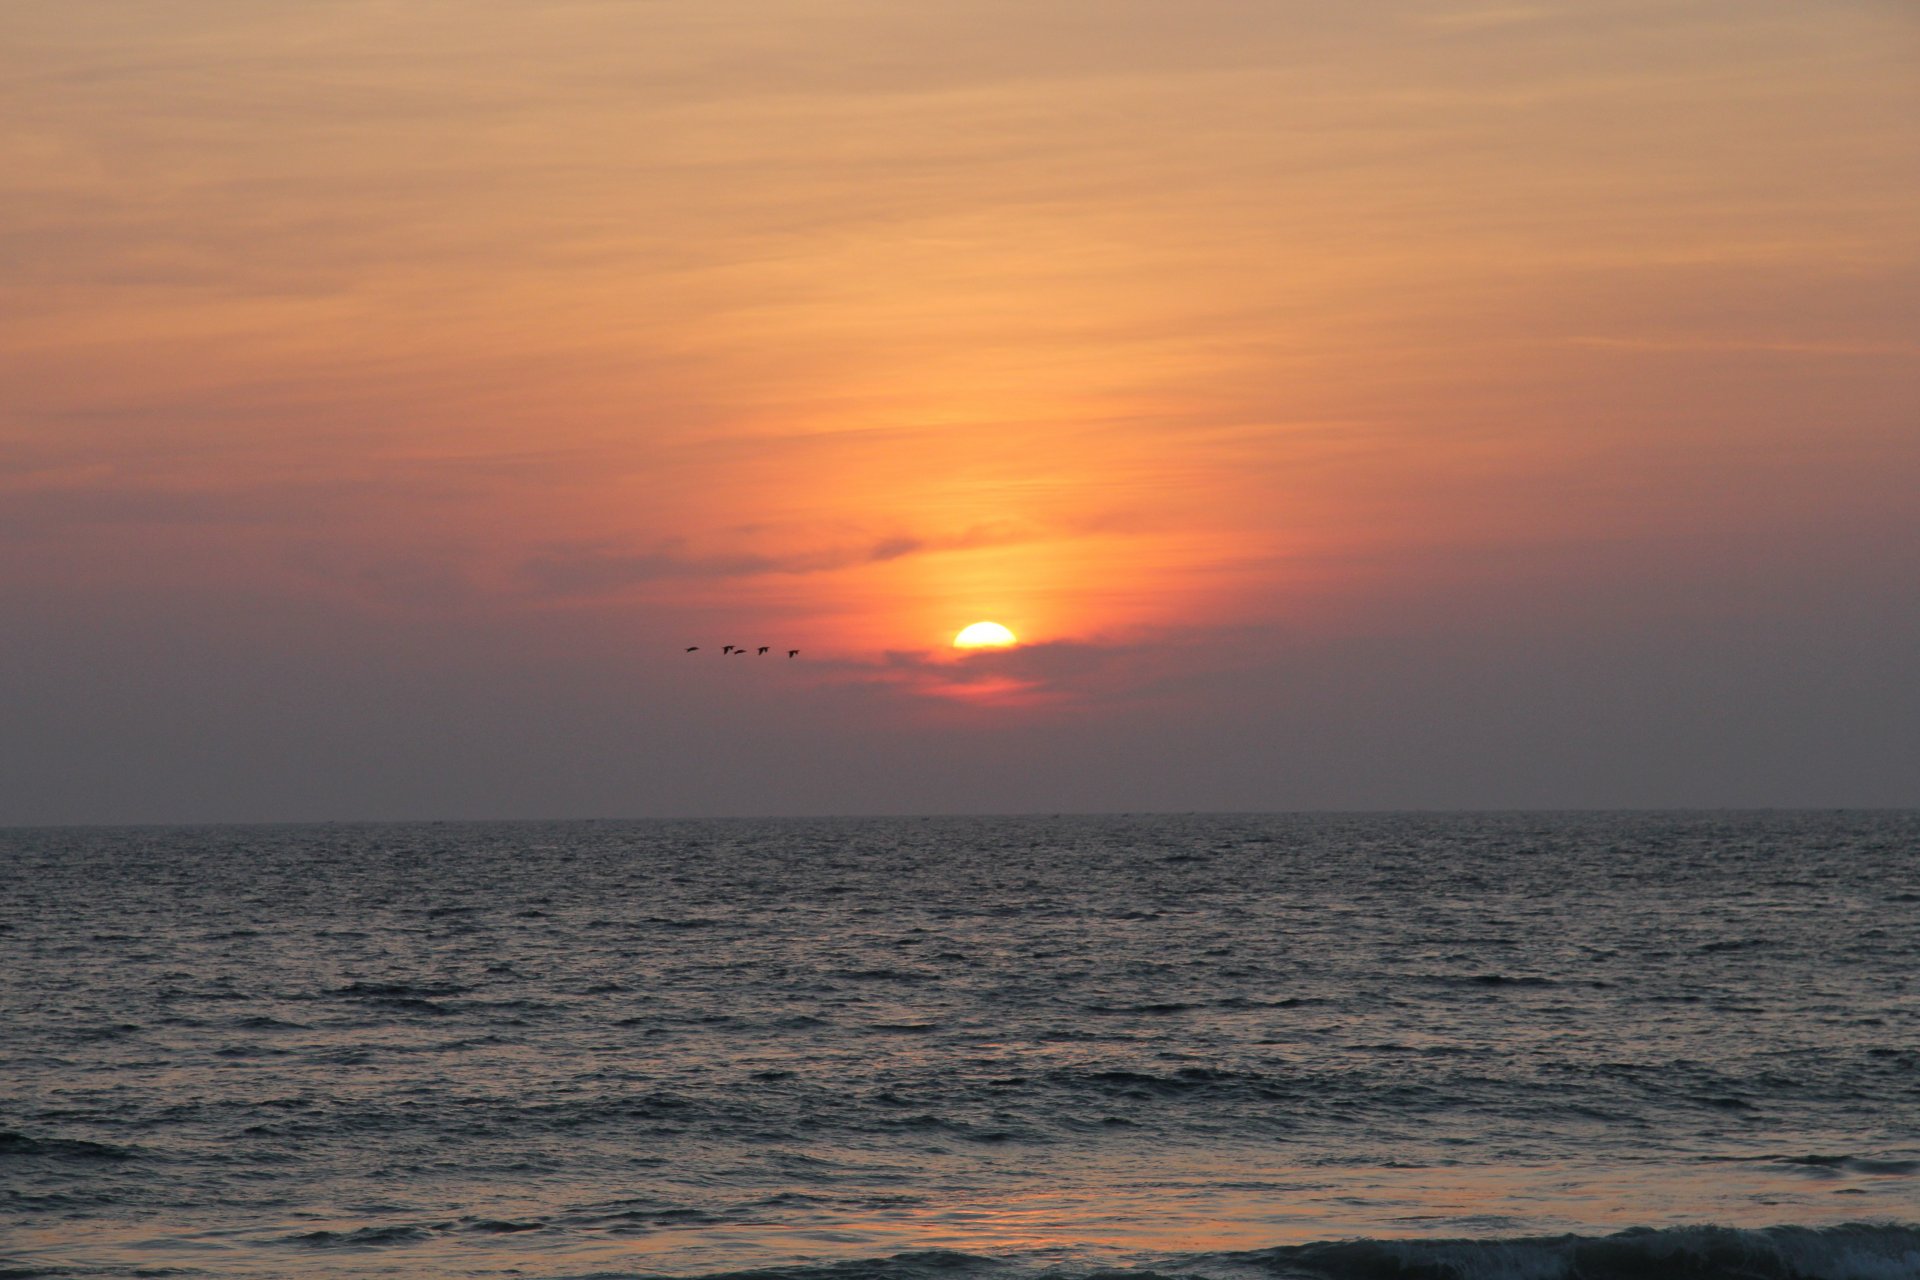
(841, 324)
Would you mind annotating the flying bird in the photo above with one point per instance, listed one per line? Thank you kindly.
(763, 650)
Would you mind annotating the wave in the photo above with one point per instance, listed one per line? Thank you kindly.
(1824, 1164)
(20, 1145)
(1858, 1251)
(365, 1238)
(1857, 1164)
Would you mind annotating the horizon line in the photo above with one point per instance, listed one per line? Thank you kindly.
(1382, 811)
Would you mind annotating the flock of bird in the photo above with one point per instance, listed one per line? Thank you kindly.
(738, 649)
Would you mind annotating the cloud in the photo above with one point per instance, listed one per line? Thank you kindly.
(1781, 346)
(52, 511)
(1488, 16)
(391, 578)
(599, 570)
(1050, 673)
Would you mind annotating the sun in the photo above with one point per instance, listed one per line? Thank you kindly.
(985, 635)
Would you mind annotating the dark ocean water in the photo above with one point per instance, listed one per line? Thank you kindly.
(1337, 1046)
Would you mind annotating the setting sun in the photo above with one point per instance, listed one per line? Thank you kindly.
(985, 635)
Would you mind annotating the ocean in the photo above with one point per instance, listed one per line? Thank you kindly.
(1236, 1047)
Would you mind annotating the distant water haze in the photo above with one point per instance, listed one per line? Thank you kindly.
(966, 1047)
(1403, 404)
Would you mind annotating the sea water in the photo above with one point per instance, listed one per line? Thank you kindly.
(1513, 1045)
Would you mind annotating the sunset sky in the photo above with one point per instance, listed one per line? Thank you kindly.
(1426, 404)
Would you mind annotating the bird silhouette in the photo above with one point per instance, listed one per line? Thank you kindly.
(739, 650)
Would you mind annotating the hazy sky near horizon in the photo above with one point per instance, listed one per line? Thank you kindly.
(1401, 404)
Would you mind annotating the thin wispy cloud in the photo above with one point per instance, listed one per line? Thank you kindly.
(576, 571)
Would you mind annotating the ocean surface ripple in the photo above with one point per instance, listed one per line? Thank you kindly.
(1446, 1046)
